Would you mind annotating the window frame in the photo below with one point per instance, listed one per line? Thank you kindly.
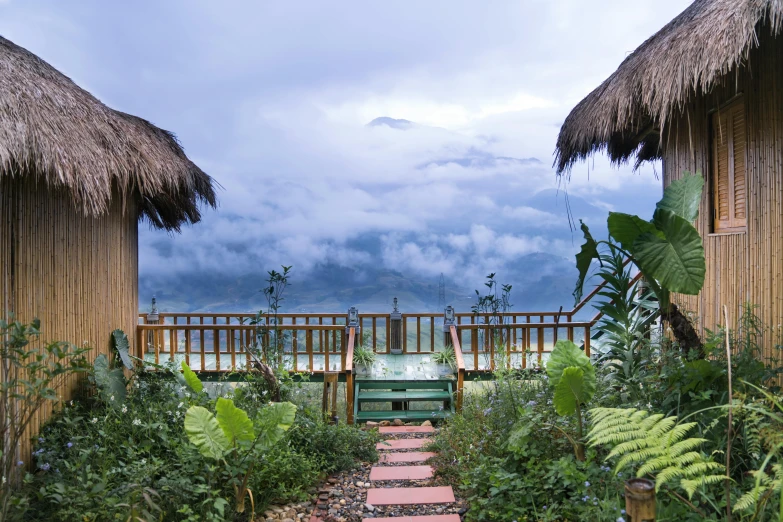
(714, 116)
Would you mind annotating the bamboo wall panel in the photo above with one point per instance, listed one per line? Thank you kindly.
(78, 275)
(746, 266)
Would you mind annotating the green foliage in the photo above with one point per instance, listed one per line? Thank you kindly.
(97, 462)
(571, 391)
(362, 355)
(584, 259)
(205, 432)
(122, 347)
(110, 381)
(623, 347)
(32, 376)
(668, 249)
(657, 444)
(445, 356)
(564, 355)
(272, 423)
(191, 379)
(676, 260)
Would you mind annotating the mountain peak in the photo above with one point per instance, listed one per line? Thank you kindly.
(391, 123)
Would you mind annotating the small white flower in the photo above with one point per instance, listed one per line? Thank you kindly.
(94, 420)
(187, 395)
(111, 398)
(180, 404)
(124, 409)
(136, 422)
(143, 461)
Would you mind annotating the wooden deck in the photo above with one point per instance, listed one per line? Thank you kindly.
(219, 345)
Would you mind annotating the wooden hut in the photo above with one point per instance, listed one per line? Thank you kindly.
(705, 94)
(75, 179)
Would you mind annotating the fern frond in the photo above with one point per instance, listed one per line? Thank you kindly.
(691, 485)
(657, 444)
(685, 446)
(666, 475)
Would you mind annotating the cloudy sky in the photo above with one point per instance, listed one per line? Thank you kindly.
(273, 99)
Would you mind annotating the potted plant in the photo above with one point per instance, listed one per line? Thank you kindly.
(363, 359)
(446, 361)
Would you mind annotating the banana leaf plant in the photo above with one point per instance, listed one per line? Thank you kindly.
(667, 249)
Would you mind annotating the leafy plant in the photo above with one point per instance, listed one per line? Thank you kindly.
(573, 378)
(109, 381)
(232, 438)
(31, 377)
(446, 356)
(626, 312)
(191, 379)
(490, 308)
(122, 347)
(657, 444)
(768, 478)
(362, 355)
(667, 249)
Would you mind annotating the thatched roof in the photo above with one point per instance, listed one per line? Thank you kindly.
(53, 130)
(625, 114)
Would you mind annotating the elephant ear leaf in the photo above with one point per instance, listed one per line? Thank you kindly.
(110, 382)
(570, 391)
(273, 421)
(122, 347)
(683, 196)
(205, 433)
(191, 379)
(625, 228)
(234, 422)
(676, 261)
(583, 260)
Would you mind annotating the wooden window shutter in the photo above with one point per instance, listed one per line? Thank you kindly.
(729, 183)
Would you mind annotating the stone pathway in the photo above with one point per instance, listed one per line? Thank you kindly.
(398, 488)
(402, 494)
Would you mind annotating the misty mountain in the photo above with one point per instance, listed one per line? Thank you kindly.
(539, 282)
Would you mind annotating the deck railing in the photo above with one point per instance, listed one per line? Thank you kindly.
(314, 342)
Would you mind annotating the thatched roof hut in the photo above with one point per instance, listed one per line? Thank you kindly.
(625, 115)
(705, 95)
(75, 177)
(58, 133)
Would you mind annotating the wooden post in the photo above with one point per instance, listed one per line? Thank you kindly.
(329, 399)
(640, 500)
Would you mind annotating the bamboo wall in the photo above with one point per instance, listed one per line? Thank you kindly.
(78, 275)
(747, 266)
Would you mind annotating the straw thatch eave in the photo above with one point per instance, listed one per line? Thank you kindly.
(624, 116)
(61, 135)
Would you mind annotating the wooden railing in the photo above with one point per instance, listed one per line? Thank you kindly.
(460, 364)
(218, 342)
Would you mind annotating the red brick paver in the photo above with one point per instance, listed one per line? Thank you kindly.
(404, 496)
(420, 518)
(406, 429)
(393, 444)
(410, 456)
(400, 472)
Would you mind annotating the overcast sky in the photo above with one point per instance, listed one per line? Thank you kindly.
(273, 100)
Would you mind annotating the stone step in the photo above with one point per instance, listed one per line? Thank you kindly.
(400, 472)
(395, 444)
(407, 496)
(420, 518)
(410, 456)
(406, 429)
